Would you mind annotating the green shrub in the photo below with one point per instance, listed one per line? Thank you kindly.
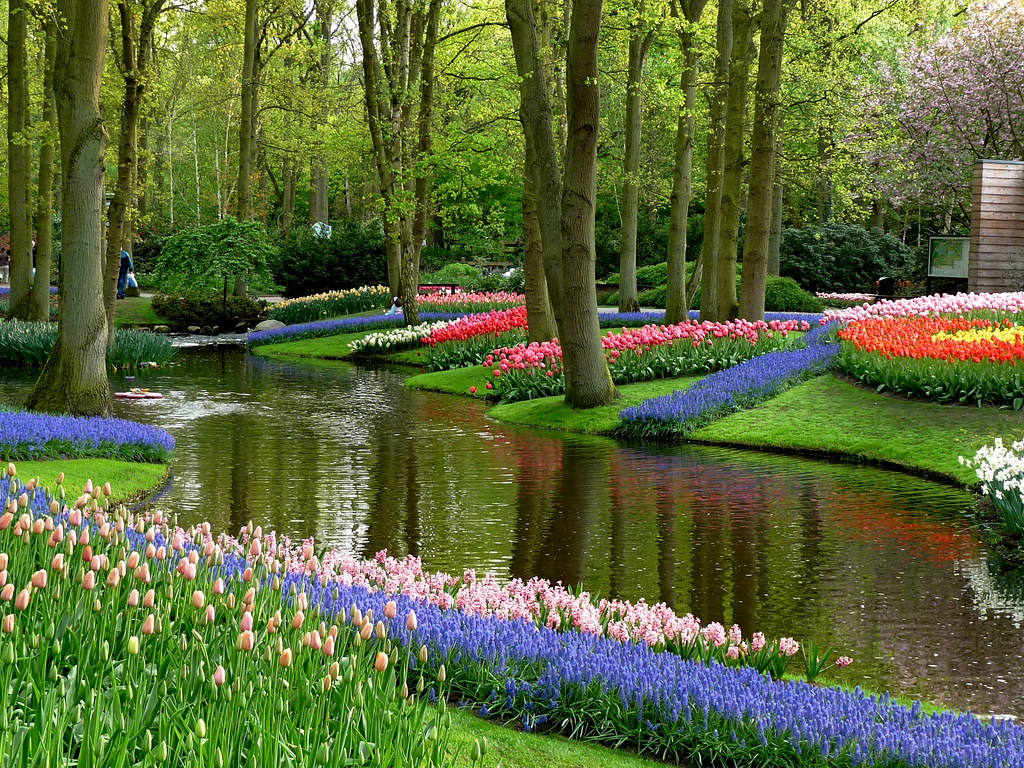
(354, 255)
(783, 294)
(842, 257)
(207, 259)
(193, 308)
(455, 273)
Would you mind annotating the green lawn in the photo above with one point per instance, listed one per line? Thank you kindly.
(324, 348)
(834, 417)
(129, 481)
(136, 310)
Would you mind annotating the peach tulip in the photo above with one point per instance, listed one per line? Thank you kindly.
(381, 662)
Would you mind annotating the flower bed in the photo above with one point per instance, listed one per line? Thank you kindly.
(961, 304)
(639, 354)
(1001, 472)
(231, 651)
(470, 302)
(945, 359)
(395, 340)
(325, 328)
(332, 304)
(732, 389)
(42, 436)
(468, 340)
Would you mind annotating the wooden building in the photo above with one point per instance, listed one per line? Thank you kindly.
(996, 261)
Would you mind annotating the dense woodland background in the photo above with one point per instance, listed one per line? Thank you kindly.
(800, 137)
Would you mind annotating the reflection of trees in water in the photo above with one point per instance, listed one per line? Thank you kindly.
(393, 517)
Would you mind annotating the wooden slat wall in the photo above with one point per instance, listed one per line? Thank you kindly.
(996, 261)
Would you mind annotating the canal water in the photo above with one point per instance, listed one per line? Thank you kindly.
(881, 566)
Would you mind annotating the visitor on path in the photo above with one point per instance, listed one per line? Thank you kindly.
(122, 274)
(396, 306)
(5, 265)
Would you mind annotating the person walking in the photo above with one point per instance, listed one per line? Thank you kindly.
(5, 265)
(122, 274)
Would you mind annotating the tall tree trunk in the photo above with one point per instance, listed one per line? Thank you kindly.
(587, 381)
(136, 49)
(19, 165)
(724, 267)
(763, 144)
(141, 217)
(74, 379)
(289, 182)
(676, 297)
(535, 114)
(318, 192)
(410, 277)
(775, 242)
(540, 321)
(246, 123)
(40, 295)
(713, 166)
(639, 45)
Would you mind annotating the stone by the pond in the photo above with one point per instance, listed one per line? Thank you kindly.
(241, 328)
(194, 329)
(269, 325)
(161, 329)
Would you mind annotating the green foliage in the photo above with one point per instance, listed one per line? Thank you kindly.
(196, 308)
(206, 258)
(29, 344)
(454, 273)
(842, 257)
(783, 294)
(354, 255)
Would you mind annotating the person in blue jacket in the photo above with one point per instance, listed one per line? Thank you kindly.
(122, 274)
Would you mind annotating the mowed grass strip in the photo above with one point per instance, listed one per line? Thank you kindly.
(129, 481)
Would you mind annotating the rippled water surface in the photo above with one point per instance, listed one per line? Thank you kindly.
(882, 566)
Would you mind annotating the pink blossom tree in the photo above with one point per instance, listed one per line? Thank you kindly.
(941, 106)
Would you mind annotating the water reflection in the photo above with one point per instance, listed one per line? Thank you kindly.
(880, 565)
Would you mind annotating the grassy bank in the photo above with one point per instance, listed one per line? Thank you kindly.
(128, 480)
(136, 310)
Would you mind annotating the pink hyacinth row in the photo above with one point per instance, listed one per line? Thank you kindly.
(440, 301)
(960, 303)
(536, 600)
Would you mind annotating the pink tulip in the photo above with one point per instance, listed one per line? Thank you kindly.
(211, 614)
(89, 580)
(298, 620)
(106, 489)
(133, 560)
(4, 561)
(247, 575)
(7, 593)
(255, 548)
(22, 600)
(11, 470)
(149, 599)
(314, 640)
(149, 624)
(391, 609)
(246, 623)
(198, 599)
(9, 623)
(133, 598)
(328, 648)
(381, 662)
(219, 676)
(286, 658)
(57, 564)
(89, 487)
(218, 587)
(410, 621)
(113, 578)
(246, 641)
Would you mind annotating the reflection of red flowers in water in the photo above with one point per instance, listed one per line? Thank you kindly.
(936, 541)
